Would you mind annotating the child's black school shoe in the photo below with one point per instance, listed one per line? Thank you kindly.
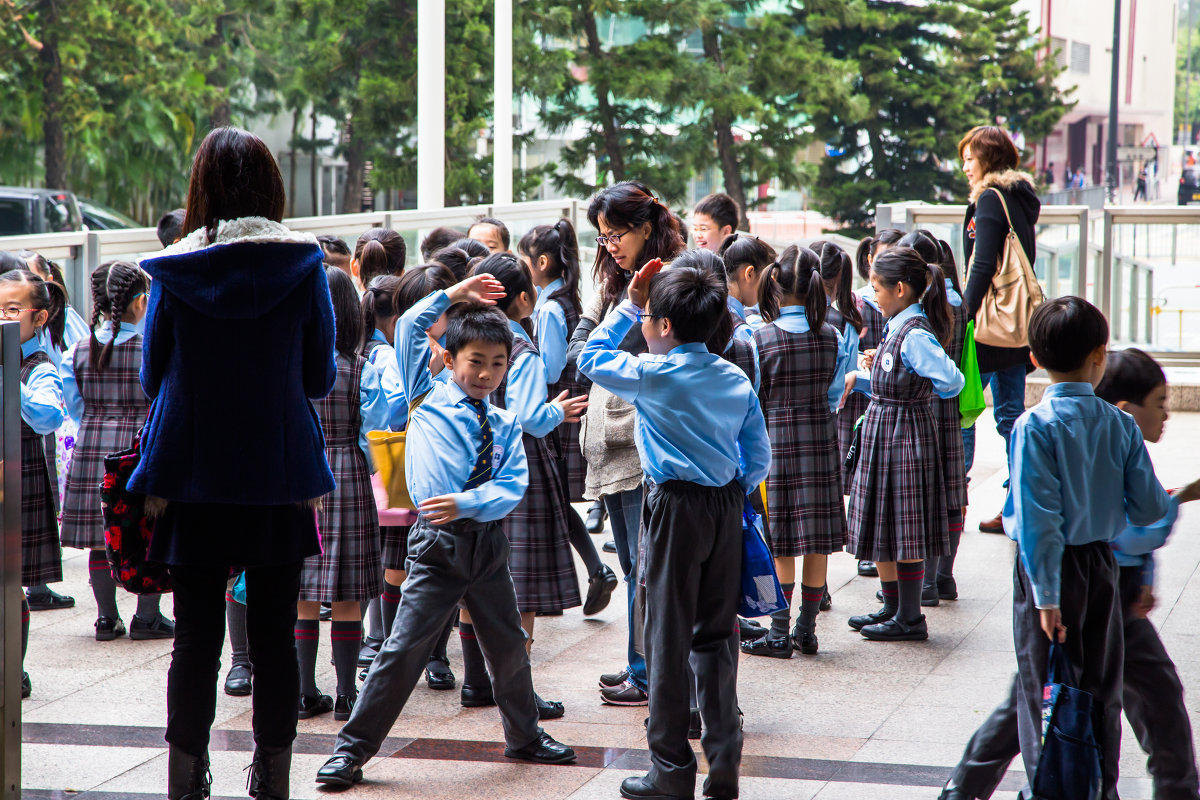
(610, 546)
(805, 640)
(108, 629)
(749, 629)
(476, 696)
(26, 685)
(542, 750)
(548, 709)
(624, 695)
(368, 651)
(239, 682)
(314, 706)
(947, 588)
(596, 516)
(343, 706)
(893, 630)
(158, 628)
(826, 600)
(769, 647)
(438, 675)
(929, 596)
(640, 788)
(868, 569)
(48, 600)
(339, 771)
(326, 612)
(611, 679)
(874, 618)
(600, 588)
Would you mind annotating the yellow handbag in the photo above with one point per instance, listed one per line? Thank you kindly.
(387, 451)
(1003, 316)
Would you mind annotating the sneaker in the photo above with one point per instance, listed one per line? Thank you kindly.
(624, 695)
(600, 588)
(596, 516)
(343, 706)
(610, 679)
(868, 569)
(770, 647)
(893, 630)
(158, 628)
(862, 620)
(48, 600)
(108, 629)
(313, 706)
(993, 525)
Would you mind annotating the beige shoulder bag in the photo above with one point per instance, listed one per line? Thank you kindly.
(1003, 316)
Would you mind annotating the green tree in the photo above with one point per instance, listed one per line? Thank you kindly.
(1187, 92)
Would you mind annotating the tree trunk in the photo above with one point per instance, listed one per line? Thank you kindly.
(52, 101)
(612, 141)
(291, 192)
(314, 171)
(735, 186)
(220, 115)
(352, 195)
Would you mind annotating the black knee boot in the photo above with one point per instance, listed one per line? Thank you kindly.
(187, 776)
(269, 773)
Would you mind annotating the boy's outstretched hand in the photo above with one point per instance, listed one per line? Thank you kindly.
(440, 510)
(482, 289)
(1052, 624)
(573, 407)
(1189, 493)
(639, 287)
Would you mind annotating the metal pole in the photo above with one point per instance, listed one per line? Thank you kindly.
(431, 104)
(502, 146)
(10, 561)
(1185, 135)
(1112, 103)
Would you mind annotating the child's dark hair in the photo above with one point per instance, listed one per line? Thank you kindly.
(694, 300)
(418, 283)
(720, 208)
(514, 276)
(628, 205)
(906, 265)
(505, 237)
(379, 251)
(476, 323)
(869, 246)
(454, 259)
(1064, 331)
(347, 312)
(559, 244)
(472, 247)
(710, 262)
(44, 296)
(837, 272)
(796, 272)
(377, 303)
(170, 227)
(745, 249)
(115, 286)
(935, 251)
(10, 261)
(1130, 375)
(334, 247)
(39, 264)
(437, 239)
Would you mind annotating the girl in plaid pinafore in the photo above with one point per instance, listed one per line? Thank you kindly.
(349, 569)
(103, 393)
(803, 373)
(897, 495)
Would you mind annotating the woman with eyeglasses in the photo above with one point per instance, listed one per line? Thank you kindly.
(634, 228)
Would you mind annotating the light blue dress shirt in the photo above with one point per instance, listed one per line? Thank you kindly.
(75, 329)
(550, 327)
(1135, 545)
(753, 317)
(42, 394)
(921, 354)
(412, 345)
(525, 394)
(444, 437)
(1080, 473)
(867, 293)
(743, 332)
(793, 319)
(952, 294)
(698, 417)
(383, 356)
(71, 395)
(372, 407)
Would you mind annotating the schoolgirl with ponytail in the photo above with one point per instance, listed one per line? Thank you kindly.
(803, 363)
(379, 333)
(378, 251)
(897, 492)
(745, 257)
(103, 394)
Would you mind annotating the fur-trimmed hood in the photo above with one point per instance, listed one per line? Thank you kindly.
(1007, 180)
(249, 268)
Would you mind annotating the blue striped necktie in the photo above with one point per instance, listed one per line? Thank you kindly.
(481, 473)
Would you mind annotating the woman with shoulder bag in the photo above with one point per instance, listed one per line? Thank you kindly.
(999, 193)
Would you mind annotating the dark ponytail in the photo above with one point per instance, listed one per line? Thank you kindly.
(377, 304)
(418, 283)
(100, 307)
(948, 265)
(837, 273)
(869, 246)
(711, 263)
(379, 251)
(906, 265)
(347, 313)
(43, 296)
(125, 281)
(797, 272)
(934, 251)
(514, 276)
(558, 243)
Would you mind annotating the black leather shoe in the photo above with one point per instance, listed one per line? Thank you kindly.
(769, 647)
(868, 569)
(826, 600)
(600, 588)
(326, 612)
(542, 750)
(270, 773)
(26, 685)
(239, 682)
(438, 675)
(48, 600)
(805, 640)
(108, 629)
(929, 596)
(954, 793)
(339, 771)
(947, 588)
(610, 679)
(596, 516)
(610, 546)
(873, 618)
(695, 725)
(548, 709)
(368, 651)
(893, 630)
(640, 788)
(749, 629)
(313, 706)
(477, 697)
(158, 628)
(343, 706)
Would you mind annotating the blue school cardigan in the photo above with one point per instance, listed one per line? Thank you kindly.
(239, 338)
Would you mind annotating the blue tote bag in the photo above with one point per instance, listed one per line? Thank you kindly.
(1069, 767)
(761, 592)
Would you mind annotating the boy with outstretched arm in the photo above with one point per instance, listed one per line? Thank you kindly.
(703, 445)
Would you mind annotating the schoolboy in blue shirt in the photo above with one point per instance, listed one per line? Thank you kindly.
(703, 445)
(466, 470)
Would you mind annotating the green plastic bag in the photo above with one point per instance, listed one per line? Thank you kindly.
(970, 400)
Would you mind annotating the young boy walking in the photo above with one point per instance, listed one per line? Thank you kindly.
(703, 445)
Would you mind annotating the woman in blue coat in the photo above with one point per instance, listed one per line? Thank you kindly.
(238, 341)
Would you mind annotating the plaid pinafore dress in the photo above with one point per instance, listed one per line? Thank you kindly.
(568, 433)
(741, 353)
(41, 555)
(950, 426)
(856, 403)
(540, 561)
(804, 486)
(114, 408)
(897, 494)
(350, 565)
(393, 539)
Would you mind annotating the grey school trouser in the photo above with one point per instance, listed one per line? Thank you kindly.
(1153, 698)
(692, 541)
(464, 561)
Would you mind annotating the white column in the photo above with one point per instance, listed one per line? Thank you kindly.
(502, 145)
(431, 104)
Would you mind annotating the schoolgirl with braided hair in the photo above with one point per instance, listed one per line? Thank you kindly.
(104, 396)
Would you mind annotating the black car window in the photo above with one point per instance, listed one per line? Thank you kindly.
(14, 217)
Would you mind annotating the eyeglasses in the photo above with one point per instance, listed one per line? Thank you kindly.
(615, 238)
(14, 313)
(645, 315)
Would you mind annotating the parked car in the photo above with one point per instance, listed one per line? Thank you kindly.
(98, 217)
(1189, 186)
(24, 211)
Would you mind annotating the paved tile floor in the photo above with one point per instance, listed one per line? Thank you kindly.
(859, 720)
